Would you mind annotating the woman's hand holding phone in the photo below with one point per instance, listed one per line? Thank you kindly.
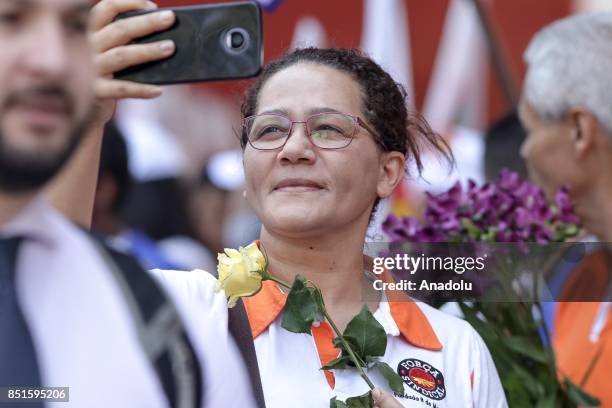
(113, 52)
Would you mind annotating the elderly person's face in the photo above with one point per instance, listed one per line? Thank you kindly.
(301, 189)
(46, 80)
(548, 150)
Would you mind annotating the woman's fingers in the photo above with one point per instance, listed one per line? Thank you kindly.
(111, 89)
(125, 56)
(108, 40)
(384, 400)
(105, 11)
(125, 30)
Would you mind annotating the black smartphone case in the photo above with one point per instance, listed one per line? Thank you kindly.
(200, 34)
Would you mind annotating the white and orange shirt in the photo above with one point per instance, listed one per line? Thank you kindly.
(441, 359)
(584, 329)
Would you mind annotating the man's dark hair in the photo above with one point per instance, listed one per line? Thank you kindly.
(383, 101)
(503, 146)
(114, 163)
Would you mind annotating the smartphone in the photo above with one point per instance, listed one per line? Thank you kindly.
(213, 42)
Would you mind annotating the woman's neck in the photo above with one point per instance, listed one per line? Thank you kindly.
(334, 263)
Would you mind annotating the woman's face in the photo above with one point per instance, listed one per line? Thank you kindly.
(300, 189)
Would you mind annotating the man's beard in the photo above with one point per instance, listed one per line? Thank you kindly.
(22, 171)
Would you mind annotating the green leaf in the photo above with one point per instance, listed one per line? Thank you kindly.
(527, 348)
(516, 394)
(530, 381)
(317, 297)
(301, 308)
(339, 363)
(394, 380)
(363, 401)
(366, 336)
(335, 403)
(571, 230)
(489, 235)
(338, 343)
(473, 231)
(580, 397)
(548, 401)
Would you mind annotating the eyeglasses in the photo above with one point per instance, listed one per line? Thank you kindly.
(325, 130)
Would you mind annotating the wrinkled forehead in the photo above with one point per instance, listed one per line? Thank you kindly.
(306, 88)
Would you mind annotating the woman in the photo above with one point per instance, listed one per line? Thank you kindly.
(326, 135)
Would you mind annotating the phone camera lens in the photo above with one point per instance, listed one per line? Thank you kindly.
(236, 40)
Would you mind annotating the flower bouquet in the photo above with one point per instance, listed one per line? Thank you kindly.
(514, 211)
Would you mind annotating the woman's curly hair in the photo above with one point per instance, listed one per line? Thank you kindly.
(384, 101)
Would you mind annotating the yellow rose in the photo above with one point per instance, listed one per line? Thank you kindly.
(255, 255)
(240, 272)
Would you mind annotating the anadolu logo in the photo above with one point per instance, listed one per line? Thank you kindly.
(422, 377)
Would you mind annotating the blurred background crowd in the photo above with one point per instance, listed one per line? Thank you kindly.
(170, 184)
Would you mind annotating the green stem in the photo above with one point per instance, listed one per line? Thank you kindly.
(592, 364)
(547, 338)
(348, 348)
(280, 282)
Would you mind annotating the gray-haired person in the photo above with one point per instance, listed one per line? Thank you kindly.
(566, 108)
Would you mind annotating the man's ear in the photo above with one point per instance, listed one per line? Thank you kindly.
(585, 129)
(390, 173)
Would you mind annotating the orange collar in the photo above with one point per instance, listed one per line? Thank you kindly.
(263, 308)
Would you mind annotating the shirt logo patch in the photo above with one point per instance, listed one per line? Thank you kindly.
(422, 378)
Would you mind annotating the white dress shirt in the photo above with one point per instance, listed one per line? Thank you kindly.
(83, 331)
